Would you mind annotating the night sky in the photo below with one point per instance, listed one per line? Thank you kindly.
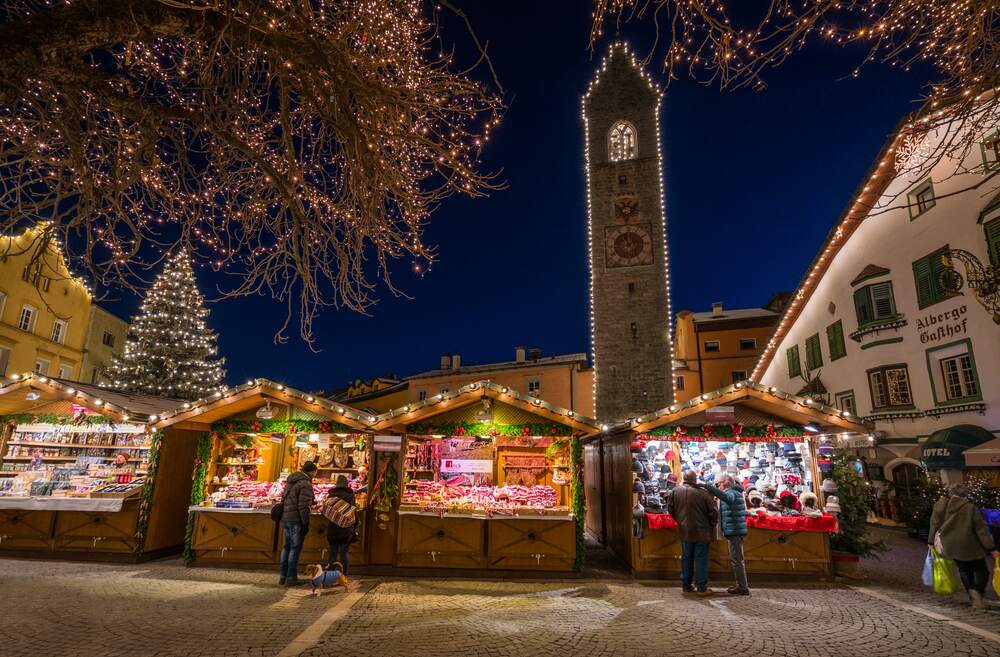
(754, 183)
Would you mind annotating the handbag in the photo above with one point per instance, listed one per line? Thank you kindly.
(928, 574)
(339, 512)
(277, 511)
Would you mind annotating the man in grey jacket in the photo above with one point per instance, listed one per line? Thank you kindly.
(696, 516)
(296, 506)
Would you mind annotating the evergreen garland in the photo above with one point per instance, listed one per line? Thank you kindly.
(281, 426)
(711, 431)
(146, 497)
(198, 482)
(465, 428)
(853, 493)
(170, 351)
(579, 503)
(49, 418)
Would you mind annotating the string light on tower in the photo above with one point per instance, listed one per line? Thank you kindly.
(170, 351)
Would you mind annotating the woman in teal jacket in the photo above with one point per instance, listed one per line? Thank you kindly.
(734, 528)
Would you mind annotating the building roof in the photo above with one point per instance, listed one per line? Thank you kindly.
(735, 314)
(506, 365)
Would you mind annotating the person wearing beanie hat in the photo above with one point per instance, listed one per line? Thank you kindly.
(339, 537)
(734, 528)
(694, 510)
(296, 506)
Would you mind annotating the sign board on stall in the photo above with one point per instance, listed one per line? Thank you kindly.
(466, 465)
(324, 440)
(388, 443)
(720, 414)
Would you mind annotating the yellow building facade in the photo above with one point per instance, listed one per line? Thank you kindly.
(715, 349)
(44, 310)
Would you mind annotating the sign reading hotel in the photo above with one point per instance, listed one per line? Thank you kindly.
(935, 327)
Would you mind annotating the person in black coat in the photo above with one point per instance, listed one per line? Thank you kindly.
(340, 538)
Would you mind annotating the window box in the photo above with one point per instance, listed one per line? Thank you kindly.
(890, 416)
(975, 407)
(893, 324)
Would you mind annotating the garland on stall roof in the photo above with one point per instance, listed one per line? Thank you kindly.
(51, 418)
(146, 497)
(198, 482)
(281, 426)
(465, 428)
(579, 503)
(736, 432)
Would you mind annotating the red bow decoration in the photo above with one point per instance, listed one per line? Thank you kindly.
(292, 428)
(494, 432)
(324, 427)
(460, 430)
(553, 431)
(737, 430)
(255, 425)
(525, 430)
(770, 431)
(680, 432)
(230, 426)
(707, 430)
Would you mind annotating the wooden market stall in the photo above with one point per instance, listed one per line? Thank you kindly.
(752, 432)
(249, 438)
(83, 476)
(481, 478)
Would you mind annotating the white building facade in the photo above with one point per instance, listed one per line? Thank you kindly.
(881, 324)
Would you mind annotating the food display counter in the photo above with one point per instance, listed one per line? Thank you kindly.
(487, 502)
(244, 476)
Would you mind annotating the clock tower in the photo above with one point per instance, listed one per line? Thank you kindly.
(629, 280)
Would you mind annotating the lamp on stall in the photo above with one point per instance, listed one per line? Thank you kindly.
(812, 427)
(31, 395)
(265, 412)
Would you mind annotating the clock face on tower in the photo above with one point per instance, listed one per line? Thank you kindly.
(628, 246)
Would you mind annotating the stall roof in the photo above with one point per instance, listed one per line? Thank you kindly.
(769, 401)
(253, 394)
(475, 391)
(112, 403)
(986, 455)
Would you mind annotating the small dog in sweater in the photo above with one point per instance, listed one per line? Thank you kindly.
(323, 578)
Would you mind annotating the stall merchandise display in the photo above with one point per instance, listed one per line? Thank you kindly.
(55, 460)
(501, 500)
(260, 495)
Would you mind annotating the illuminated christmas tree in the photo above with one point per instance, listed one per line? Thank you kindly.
(170, 351)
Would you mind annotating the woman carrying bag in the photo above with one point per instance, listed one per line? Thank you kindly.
(958, 532)
(340, 509)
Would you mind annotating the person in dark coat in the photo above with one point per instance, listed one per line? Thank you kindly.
(296, 504)
(734, 528)
(694, 510)
(340, 538)
(964, 539)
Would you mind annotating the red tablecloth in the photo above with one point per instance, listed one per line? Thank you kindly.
(824, 523)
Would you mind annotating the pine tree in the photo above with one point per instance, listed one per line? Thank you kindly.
(170, 351)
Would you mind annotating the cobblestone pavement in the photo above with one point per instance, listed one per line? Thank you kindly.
(165, 609)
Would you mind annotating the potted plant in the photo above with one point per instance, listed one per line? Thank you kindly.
(852, 542)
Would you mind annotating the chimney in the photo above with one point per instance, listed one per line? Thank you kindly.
(534, 354)
(446, 361)
(717, 309)
(518, 354)
(456, 361)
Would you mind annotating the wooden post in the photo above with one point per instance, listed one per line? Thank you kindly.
(814, 467)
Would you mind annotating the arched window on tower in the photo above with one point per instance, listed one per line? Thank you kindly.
(622, 142)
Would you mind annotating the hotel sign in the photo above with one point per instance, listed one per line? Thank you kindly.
(935, 327)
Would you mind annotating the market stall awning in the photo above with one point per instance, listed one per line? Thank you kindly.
(30, 393)
(750, 399)
(255, 394)
(473, 392)
(945, 449)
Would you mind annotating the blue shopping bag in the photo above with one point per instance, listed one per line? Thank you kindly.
(928, 576)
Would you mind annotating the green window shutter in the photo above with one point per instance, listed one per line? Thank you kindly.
(814, 355)
(922, 279)
(794, 366)
(835, 340)
(883, 304)
(992, 229)
(862, 306)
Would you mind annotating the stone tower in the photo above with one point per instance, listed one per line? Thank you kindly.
(629, 280)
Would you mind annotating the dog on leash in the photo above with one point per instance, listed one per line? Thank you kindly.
(322, 578)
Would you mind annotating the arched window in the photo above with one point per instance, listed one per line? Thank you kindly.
(622, 142)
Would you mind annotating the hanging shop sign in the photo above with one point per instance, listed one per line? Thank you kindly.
(466, 465)
(721, 414)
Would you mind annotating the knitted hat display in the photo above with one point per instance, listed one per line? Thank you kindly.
(832, 505)
(829, 486)
(756, 499)
(808, 499)
(672, 478)
(637, 487)
(636, 466)
(664, 484)
(665, 469)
